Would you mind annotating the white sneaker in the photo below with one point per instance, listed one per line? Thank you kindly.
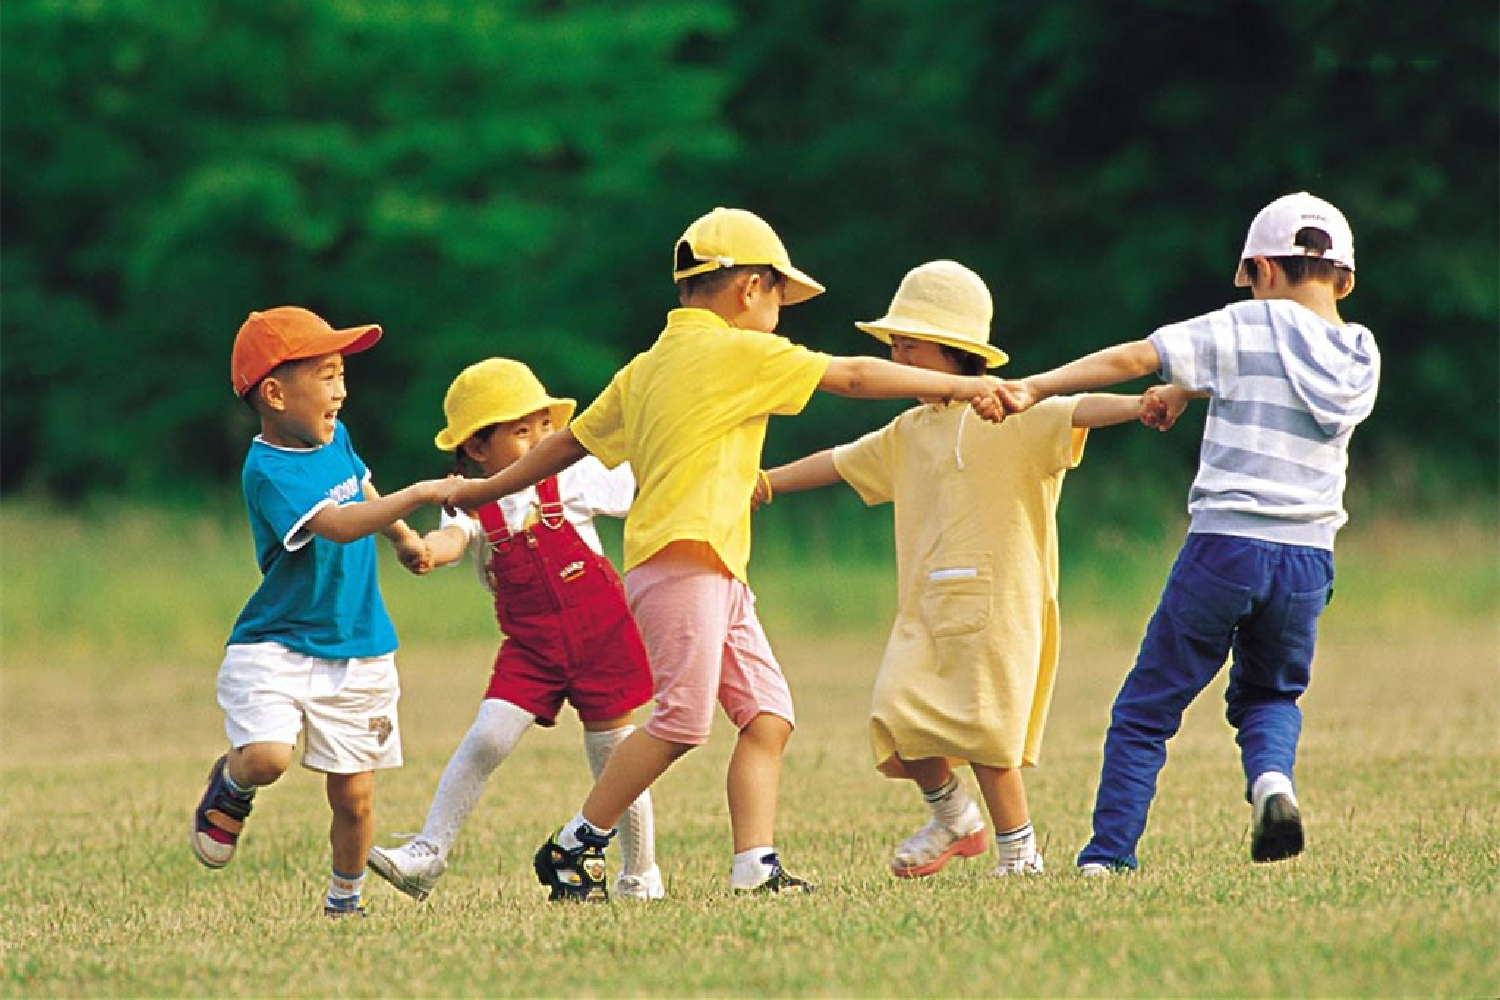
(647, 885)
(928, 851)
(413, 868)
(1022, 866)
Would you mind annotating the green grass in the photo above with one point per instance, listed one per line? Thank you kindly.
(111, 633)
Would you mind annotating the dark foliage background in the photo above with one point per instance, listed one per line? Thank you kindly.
(508, 178)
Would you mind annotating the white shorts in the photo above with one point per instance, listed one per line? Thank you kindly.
(348, 707)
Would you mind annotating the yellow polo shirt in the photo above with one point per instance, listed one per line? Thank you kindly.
(689, 415)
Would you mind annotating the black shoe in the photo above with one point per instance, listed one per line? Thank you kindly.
(575, 876)
(339, 912)
(1278, 830)
(218, 820)
(780, 881)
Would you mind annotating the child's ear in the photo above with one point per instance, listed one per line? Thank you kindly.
(271, 392)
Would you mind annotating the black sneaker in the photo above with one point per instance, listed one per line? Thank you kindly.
(338, 912)
(218, 820)
(780, 881)
(1278, 830)
(575, 876)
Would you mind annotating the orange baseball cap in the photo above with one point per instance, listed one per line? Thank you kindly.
(289, 333)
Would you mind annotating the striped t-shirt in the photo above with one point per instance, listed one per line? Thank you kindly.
(1286, 391)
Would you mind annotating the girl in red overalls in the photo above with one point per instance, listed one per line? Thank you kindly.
(568, 633)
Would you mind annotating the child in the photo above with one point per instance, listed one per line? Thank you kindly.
(690, 416)
(313, 648)
(568, 633)
(1288, 381)
(968, 670)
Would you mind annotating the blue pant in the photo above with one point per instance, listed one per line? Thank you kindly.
(1259, 599)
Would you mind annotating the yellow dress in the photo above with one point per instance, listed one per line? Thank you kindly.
(969, 666)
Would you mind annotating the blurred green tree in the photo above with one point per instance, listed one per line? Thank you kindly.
(507, 178)
(480, 178)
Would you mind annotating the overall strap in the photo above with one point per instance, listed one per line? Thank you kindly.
(549, 506)
(493, 521)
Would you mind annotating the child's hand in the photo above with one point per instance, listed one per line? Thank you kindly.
(1161, 405)
(415, 555)
(761, 495)
(460, 495)
(987, 403)
(1016, 396)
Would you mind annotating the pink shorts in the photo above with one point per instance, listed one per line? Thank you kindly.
(704, 643)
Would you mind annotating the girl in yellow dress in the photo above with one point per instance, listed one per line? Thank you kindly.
(968, 669)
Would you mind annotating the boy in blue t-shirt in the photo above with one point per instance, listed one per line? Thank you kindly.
(1287, 382)
(313, 649)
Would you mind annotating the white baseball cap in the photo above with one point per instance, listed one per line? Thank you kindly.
(1273, 232)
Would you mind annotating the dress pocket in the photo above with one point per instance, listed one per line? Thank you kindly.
(956, 600)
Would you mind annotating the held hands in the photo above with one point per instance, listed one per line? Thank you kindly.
(414, 554)
(1004, 398)
(463, 496)
(1161, 405)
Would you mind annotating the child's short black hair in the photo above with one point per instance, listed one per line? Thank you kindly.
(710, 282)
(1300, 269)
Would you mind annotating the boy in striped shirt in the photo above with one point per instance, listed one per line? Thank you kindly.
(1287, 382)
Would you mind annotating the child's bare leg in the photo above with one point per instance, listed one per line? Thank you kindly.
(637, 824)
(1004, 793)
(930, 773)
(352, 831)
(633, 765)
(257, 764)
(755, 781)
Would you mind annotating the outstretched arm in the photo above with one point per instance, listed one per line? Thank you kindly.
(1110, 366)
(554, 454)
(804, 474)
(876, 378)
(351, 521)
(1102, 410)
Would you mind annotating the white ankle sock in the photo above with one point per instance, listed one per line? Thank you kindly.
(344, 890)
(750, 868)
(567, 838)
(949, 802)
(637, 826)
(1271, 783)
(497, 728)
(1016, 845)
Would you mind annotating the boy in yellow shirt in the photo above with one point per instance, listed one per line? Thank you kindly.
(690, 416)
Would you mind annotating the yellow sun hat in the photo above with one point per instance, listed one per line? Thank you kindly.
(494, 391)
(944, 302)
(732, 237)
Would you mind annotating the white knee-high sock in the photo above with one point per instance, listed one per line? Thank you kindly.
(497, 728)
(637, 826)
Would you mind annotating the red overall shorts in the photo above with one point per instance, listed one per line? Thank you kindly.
(568, 631)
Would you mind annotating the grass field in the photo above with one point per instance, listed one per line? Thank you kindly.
(111, 632)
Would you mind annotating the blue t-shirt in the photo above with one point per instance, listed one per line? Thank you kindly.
(317, 597)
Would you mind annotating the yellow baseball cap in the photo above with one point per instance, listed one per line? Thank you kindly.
(492, 392)
(944, 302)
(732, 237)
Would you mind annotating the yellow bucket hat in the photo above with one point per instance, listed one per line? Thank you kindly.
(492, 392)
(944, 302)
(731, 237)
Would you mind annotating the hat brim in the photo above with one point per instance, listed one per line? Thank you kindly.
(799, 286)
(561, 410)
(883, 329)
